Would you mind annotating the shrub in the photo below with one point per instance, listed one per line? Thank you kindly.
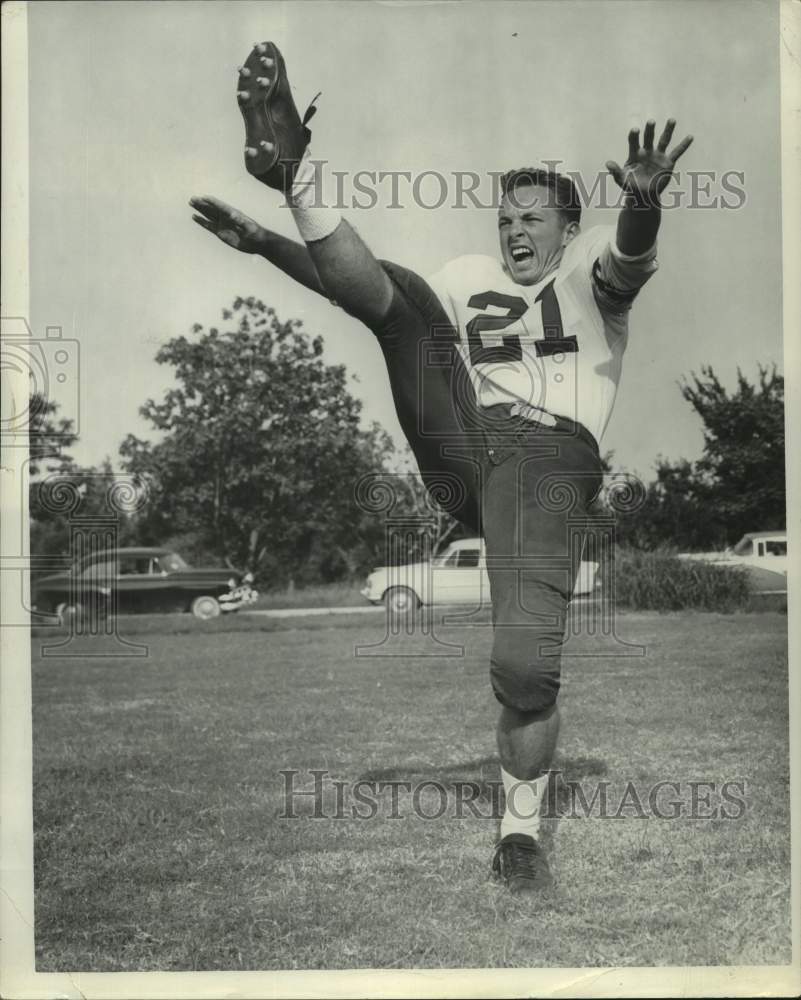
(660, 581)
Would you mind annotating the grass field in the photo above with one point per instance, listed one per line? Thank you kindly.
(160, 844)
(326, 595)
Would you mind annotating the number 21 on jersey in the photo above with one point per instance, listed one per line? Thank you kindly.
(552, 342)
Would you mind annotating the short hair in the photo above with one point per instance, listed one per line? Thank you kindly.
(565, 195)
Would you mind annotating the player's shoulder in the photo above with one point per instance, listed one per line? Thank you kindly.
(590, 243)
(469, 267)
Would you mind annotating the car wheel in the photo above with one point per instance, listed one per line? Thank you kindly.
(205, 607)
(401, 601)
(67, 613)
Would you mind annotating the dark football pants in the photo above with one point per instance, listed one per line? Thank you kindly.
(433, 397)
(538, 483)
(526, 487)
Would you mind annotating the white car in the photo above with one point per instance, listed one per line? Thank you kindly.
(457, 576)
(757, 550)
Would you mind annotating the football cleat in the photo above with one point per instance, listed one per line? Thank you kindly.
(273, 126)
(521, 863)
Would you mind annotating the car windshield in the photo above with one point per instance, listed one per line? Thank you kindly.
(172, 562)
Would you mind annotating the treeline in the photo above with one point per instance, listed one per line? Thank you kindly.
(260, 461)
(738, 484)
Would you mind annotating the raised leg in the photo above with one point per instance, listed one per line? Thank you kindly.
(351, 275)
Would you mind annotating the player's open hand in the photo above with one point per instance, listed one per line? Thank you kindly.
(647, 171)
(228, 224)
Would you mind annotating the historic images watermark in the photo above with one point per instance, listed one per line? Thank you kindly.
(462, 189)
(412, 523)
(49, 364)
(316, 794)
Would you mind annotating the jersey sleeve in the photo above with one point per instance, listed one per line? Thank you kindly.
(616, 277)
(454, 283)
(440, 284)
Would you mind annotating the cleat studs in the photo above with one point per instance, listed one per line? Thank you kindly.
(251, 152)
(268, 147)
(263, 81)
(266, 61)
(260, 47)
(244, 71)
(243, 95)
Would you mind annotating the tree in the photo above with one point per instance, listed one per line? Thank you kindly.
(743, 461)
(48, 437)
(55, 477)
(673, 512)
(261, 450)
(737, 485)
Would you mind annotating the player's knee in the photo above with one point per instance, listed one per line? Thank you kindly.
(525, 676)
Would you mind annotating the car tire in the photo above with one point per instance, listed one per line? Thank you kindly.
(66, 612)
(205, 607)
(401, 601)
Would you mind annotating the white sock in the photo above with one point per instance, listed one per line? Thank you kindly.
(311, 209)
(523, 801)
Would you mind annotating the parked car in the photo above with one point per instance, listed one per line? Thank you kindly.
(758, 549)
(762, 555)
(457, 576)
(765, 549)
(140, 580)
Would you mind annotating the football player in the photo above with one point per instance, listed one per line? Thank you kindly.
(533, 345)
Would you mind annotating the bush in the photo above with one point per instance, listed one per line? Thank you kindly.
(660, 581)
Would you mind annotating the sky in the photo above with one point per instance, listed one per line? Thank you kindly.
(133, 111)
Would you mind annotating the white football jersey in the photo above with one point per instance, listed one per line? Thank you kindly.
(557, 345)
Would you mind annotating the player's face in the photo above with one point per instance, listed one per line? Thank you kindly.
(533, 234)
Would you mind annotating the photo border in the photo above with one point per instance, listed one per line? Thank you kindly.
(18, 977)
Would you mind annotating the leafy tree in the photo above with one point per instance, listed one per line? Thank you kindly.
(673, 513)
(743, 461)
(261, 450)
(52, 468)
(48, 437)
(737, 485)
(421, 529)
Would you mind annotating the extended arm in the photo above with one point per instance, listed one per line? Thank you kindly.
(242, 233)
(643, 177)
(339, 266)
